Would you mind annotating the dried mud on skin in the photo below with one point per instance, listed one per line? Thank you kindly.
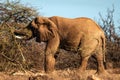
(62, 75)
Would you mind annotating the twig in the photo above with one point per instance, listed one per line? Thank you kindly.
(14, 61)
(18, 45)
(7, 58)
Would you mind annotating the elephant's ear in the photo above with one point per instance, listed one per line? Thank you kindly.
(48, 29)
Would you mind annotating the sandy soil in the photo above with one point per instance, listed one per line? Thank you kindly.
(114, 74)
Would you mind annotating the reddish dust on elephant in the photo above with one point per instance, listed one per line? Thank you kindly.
(81, 35)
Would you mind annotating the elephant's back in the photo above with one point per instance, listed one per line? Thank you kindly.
(89, 25)
(77, 25)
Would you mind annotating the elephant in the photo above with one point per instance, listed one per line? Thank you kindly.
(82, 35)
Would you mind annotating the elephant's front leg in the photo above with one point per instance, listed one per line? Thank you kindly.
(51, 49)
(49, 63)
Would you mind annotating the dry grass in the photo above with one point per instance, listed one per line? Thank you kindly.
(62, 75)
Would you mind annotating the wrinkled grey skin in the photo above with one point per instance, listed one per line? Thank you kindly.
(80, 34)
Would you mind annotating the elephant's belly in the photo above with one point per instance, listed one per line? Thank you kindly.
(69, 46)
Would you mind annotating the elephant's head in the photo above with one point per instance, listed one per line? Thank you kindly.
(41, 27)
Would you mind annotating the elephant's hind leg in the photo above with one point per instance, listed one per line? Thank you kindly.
(83, 64)
(86, 49)
(99, 56)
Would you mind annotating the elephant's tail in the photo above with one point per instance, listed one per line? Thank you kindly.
(103, 46)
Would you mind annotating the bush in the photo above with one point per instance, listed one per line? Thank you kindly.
(112, 38)
(12, 16)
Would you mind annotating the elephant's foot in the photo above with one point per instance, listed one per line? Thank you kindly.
(49, 69)
(104, 73)
(82, 70)
(50, 72)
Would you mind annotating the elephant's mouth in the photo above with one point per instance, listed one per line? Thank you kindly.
(20, 35)
(23, 34)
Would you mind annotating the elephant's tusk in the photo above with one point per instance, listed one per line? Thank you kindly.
(19, 37)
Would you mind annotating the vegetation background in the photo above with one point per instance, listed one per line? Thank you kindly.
(18, 55)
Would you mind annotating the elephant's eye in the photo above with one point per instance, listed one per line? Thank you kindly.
(42, 23)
